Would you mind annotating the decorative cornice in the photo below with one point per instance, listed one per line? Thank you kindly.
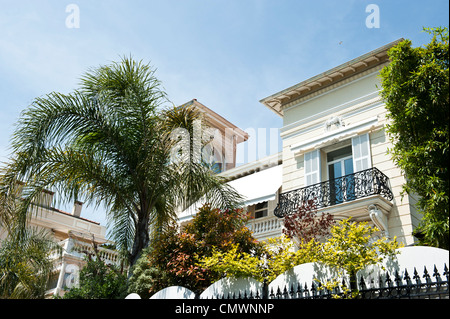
(376, 58)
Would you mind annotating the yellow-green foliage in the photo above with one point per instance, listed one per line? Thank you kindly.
(278, 256)
(350, 248)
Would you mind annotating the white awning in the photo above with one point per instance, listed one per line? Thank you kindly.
(254, 188)
(335, 136)
(260, 186)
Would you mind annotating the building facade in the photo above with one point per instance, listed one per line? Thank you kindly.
(334, 155)
(335, 148)
(221, 135)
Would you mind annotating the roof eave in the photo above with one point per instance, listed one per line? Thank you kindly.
(364, 62)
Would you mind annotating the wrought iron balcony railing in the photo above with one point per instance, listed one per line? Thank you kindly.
(332, 192)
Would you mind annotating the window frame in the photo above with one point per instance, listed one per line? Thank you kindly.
(264, 210)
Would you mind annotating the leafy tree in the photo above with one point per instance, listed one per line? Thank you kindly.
(415, 87)
(110, 142)
(276, 256)
(351, 248)
(306, 224)
(173, 258)
(147, 279)
(214, 227)
(99, 281)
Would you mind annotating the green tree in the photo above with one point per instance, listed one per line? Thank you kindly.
(25, 264)
(25, 253)
(415, 87)
(349, 249)
(352, 247)
(110, 142)
(276, 256)
(99, 281)
(173, 258)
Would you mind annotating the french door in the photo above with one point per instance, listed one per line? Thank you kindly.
(340, 175)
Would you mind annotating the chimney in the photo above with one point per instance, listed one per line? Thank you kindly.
(45, 198)
(76, 211)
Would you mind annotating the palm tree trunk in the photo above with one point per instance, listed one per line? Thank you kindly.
(141, 240)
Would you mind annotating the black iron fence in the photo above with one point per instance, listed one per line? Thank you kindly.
(343, 189)
(387, 286)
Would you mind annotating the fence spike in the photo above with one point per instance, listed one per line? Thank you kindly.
(388, 280)
(407, 278)
(445, 271)
(426, 275)
(308, 292)
(416, 276)
(436, 274)
(291, 291)
(285, 293)
(313, 289)
(397, 279)
(299, 290)
(271, 295)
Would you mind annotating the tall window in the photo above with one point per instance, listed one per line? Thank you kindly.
(216, 160)
(340, 168)
(312, 167)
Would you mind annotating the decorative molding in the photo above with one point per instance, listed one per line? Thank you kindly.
(335, 121)
(379, 219)
(334, 136)
(361, 104)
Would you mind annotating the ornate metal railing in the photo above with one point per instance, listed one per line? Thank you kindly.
(343, 189)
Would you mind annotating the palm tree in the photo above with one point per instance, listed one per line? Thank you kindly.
(110, 142)
(25, 264)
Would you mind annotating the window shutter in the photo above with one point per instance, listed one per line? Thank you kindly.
(312, 167)
(361, 152)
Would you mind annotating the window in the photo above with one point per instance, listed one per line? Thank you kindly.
(261, 209)
(340, 170)
(213, 157)
(353, 156)
(334, 166)
(340, 162)
(312, 167)
(361, 152)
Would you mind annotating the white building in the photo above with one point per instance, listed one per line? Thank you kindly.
(76, 236)
(334, 154)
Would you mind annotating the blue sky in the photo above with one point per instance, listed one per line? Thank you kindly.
(228, 54)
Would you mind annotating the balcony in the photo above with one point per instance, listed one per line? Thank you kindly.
(364, 188)
(72, 259)
(78, 249)
(265, 227)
